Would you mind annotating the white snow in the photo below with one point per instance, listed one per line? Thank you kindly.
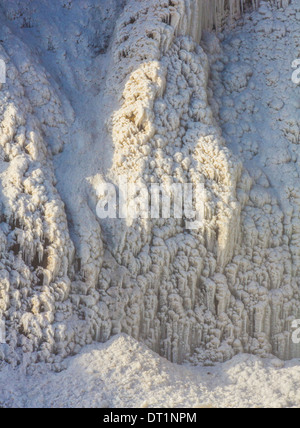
(94, 92)
(124, 373)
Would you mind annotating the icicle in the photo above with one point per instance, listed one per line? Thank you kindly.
(210, 14)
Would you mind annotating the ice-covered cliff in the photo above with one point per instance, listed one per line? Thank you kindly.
(95, 91)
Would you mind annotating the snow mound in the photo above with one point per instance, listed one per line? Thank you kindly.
(125, 373)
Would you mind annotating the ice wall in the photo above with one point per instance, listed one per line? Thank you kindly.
(36, 250)
(230, 287)
(194, 290)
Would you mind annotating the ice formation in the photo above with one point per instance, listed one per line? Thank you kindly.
(160, 108)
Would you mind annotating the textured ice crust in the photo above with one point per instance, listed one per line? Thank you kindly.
(178, 112)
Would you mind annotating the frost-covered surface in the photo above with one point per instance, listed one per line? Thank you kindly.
(124, 373)
(260, 117)
(97, 92)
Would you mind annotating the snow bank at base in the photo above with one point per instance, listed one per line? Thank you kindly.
(124, 373)
(210, 294)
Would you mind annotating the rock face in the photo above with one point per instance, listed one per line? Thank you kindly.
(147, 102)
